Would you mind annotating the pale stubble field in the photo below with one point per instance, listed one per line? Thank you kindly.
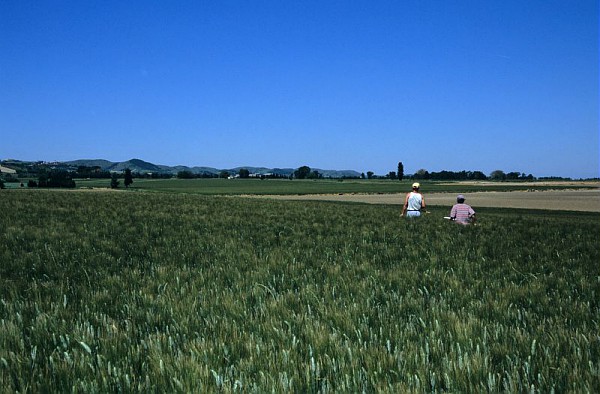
(585, 200)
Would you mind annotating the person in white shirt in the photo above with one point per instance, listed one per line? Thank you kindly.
(414, 202)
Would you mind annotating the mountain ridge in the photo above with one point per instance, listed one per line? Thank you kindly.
(144, 167)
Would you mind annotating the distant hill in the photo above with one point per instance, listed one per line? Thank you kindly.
(104, 164)
(144, 167)
(136, 165)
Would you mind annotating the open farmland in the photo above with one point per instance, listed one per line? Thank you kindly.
(567, 200)
(152, 291)
(567, 196)
(328, 186)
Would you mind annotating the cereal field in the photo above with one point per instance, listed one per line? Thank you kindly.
(179, 292)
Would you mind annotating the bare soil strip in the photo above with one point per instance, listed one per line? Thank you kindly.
(567, 200)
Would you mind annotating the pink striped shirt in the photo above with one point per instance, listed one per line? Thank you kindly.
(462, 213)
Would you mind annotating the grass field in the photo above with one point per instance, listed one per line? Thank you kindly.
(299, 186)
(180, 292)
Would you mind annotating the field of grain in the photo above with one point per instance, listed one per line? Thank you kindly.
(178, 292)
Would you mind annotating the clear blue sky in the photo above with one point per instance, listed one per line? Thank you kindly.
(440, 85)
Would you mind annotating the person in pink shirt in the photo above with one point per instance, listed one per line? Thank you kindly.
(462, 213)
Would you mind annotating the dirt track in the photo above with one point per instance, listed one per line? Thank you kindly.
(568, 200)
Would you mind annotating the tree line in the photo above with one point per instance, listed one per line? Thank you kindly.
(59, 178)
(423, 174)
(497, 175)
(242, 173)
(46, 179)
(62, 178)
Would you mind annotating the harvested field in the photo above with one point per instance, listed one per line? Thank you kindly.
(575, 184)
(568, 200)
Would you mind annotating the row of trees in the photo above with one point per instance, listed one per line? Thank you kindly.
(96, 172)
(305, 172)
(64, 179)
(127, 179)
(191, 175)
(422, 174)
(59, 179)
(242, 173)
(497, 175)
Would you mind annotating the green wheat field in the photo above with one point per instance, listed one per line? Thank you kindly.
(180, 292)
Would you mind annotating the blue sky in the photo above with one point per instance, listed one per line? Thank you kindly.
(439, 85)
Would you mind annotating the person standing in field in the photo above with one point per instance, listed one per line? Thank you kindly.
(414, 202)
(462, 213)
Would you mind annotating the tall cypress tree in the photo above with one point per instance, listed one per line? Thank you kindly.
(128, 177)
(400, 171)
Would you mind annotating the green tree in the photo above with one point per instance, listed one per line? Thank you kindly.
(91, 172)
(422, 174)
(478, 175)
(392, 175)
(513, 176)
(497, 175)
(244, 173)
(185, 174)
(114, 180)
(370, 174)
(128, 177)
(56, 178)
(400, 171)
(43, 179)
(302, 172)
(224, 174)
(314, 175)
